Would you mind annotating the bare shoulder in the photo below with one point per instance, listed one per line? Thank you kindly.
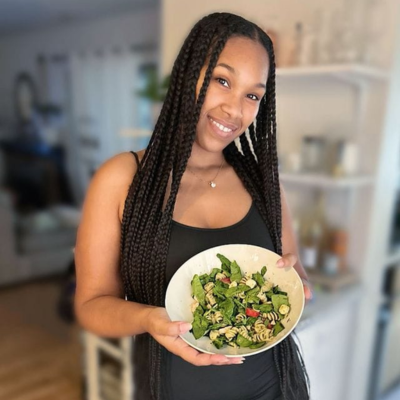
(115, 176)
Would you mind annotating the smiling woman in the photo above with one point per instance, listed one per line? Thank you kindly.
(191, 189)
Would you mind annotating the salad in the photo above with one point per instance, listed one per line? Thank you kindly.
(239, 310)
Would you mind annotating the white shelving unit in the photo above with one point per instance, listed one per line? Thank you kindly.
(353, 365)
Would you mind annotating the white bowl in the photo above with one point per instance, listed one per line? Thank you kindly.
(250, 259)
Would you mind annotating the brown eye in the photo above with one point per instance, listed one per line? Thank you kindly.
(221, 79)
(256, 97)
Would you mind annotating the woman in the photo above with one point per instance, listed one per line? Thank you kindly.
(190, 190)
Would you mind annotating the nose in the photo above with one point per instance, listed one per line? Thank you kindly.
(232, 106)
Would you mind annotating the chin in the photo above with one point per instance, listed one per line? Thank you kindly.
(210, 144)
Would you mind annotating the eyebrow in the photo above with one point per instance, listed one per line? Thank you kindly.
(229, 68)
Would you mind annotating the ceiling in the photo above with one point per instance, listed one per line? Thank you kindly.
(22, 15)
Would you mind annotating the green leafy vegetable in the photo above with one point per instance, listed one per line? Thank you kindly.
(226, 307)
(258, 278)
(224, 260)
(242, 341)
(278, 327)
(198, 290)
(199, 326)
(257, 345)
(278, 300)
(235, 271)
(214, 272)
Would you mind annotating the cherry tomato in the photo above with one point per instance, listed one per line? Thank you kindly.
(226, 280)
(252, 313)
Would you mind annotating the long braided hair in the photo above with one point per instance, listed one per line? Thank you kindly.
(146, 227)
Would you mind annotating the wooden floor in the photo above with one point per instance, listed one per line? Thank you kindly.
(40, 355)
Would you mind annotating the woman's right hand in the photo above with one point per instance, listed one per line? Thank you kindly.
(166, 332)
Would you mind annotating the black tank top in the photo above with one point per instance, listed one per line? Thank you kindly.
(257, 377)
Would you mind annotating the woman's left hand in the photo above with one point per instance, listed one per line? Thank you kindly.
(289, 260)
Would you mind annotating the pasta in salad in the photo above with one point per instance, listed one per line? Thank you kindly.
(235, 309)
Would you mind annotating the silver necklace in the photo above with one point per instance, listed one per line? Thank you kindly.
(212, 182)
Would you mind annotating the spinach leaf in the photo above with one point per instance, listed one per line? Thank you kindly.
(205, 278)
(278, 327)
(258, 278)
(278, 300)
(199, 310)
(224, 260)
(263, 270)
(199, 326)
(277, 290)
(269, 294)
(236, 273)
(220, 289)
(241, 308)
(226, 307)
(251, 295)
(218, 342)
(257, 345)
(216, 326)
(198, 291)
(226, 320)
(251, 320)
(214, 272)
(265, 308)
(242, 341)
(226, 270)
(236, 290)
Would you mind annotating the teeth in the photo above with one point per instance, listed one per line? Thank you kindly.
(223, 128)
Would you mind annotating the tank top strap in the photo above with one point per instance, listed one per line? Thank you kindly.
(136, 158)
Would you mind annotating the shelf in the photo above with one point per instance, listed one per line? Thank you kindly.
(333, 283)
(326, 181)
(353, 73)
(325, 303)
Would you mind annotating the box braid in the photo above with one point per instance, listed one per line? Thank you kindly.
(146, 227)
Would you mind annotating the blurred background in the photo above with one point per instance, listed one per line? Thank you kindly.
(81, 81)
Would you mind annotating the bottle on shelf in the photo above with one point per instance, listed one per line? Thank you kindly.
(338, 243)
(313, 236)
(305, 45)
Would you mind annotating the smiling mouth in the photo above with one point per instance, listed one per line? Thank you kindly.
(220, 126)
(220, 130)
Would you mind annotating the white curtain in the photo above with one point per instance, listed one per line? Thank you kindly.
(105, 106)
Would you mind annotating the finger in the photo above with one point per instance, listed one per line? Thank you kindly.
(195, 357)
(288, 260)
(307, 293)
(175, 328)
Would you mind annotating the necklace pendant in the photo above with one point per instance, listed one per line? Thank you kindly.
(213, 184)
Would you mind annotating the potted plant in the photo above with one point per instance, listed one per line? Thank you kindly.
(155, 91)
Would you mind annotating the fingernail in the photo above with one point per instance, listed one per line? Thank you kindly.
(280, 263)
(185, 327)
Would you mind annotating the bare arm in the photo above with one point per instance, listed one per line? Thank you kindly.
(99, 301)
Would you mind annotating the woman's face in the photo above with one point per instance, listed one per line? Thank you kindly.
(234, 94)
